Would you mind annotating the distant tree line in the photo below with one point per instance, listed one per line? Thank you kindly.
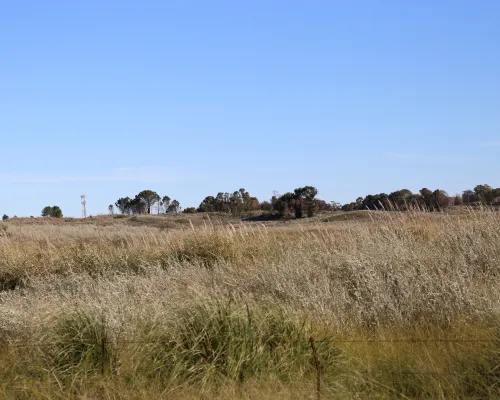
(431, 200)
(300, 203)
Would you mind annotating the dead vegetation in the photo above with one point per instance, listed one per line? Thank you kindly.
(402, 305)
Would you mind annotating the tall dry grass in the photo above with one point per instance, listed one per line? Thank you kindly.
(401, 305)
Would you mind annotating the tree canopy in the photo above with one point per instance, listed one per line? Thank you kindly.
(54, 212)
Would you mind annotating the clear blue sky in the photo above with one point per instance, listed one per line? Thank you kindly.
(189, 98)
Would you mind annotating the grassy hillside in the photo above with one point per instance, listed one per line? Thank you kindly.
(398, 305)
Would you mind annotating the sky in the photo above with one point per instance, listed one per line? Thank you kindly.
(191, 98)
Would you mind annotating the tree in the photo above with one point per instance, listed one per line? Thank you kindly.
(189, 210)
(468, 196)
(427, 198)
(266, 206)
(305, 196)
(283, 204)
(5, 217)
(149, 198)
(165, 202)
(54, 212)
(349, 207)
(484, 192)
(111, 209)
(207, 205)
(376, 202)
(124, 205)
(400, 198)
(336, 206)
(237, 202)
(441, 199)
(174, 206)
(137, 206)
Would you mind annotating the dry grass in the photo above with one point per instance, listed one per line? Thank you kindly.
(127, 310)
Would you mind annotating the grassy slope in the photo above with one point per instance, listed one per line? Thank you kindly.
(133, 308)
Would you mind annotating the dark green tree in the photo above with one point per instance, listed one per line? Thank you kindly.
(427, 198)
(441, 199)
(174, 206)
(484, 193)
(54, 212)
(284, 204)
(400, 198)
(207, 205)
(165, 202)
(137, 206)
(468, 196)
(149, 198)
(305, 197)
(124, 205)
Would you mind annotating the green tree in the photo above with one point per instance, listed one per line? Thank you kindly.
(124, 205)
(484, 192)
(165, 202)
(441, 199)
(137, 206)
(111, 209)
(469, 196)
(47, 211)
(174, 206)
(400, 198)
(427, 198)
(149, 198)
(283, 204)
(207, 205)
(5, 217)
(305, 197)
(54, 212)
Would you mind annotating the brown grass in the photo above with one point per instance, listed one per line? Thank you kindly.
(407, 305)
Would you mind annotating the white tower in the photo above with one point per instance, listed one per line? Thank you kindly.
(84, 206)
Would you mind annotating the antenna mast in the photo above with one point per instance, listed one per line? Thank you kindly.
(84, 206)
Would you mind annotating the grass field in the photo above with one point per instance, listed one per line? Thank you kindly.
(399, 305)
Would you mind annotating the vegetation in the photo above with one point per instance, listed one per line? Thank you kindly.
(398, 305)
(303, 201)
(144, 202)
(54, 212)
(236, 203)
(436, 200)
